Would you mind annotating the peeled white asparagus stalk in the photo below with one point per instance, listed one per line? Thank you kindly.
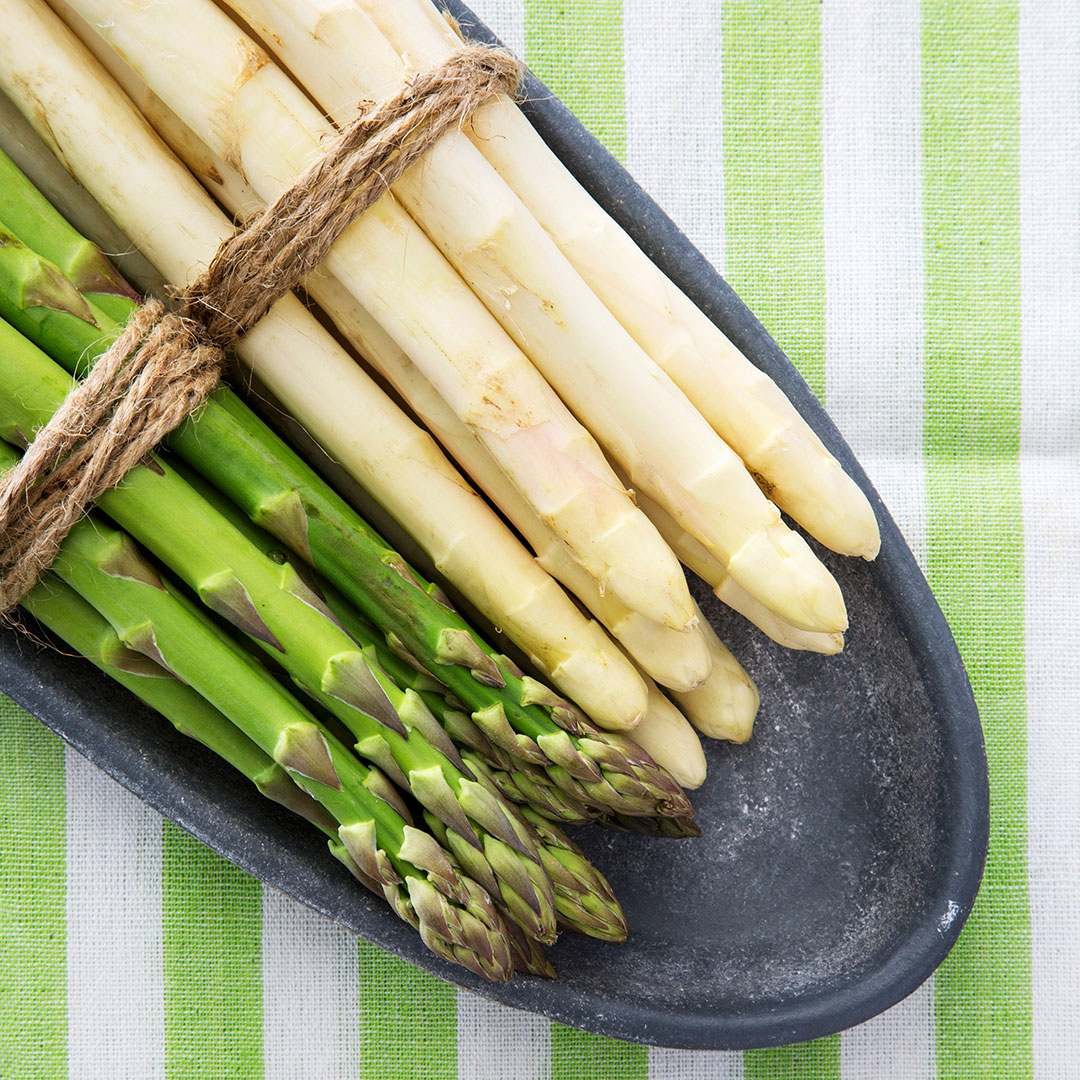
(226, 89)
(635, 410)
(725, 704)
(104, 142)
(694, 556)
(669, 738)
(677, 659)
(740, 401)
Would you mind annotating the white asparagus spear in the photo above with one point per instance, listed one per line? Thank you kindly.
(676, 659)
(107, 146)
(639, 415)
(740, 401)
(724, 706)
(694, 556)
(222, 85)
(670, 739)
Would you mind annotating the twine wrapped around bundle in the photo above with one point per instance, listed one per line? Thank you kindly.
(164, 364)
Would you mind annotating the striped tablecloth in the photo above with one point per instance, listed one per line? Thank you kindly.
(895, 189)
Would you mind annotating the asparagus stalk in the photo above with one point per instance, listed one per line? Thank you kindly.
(82, 262)
(389, 263)
(455, 916)
(724, 706)
(109, 147)
(63, 611)
(239, 454)
(668, 736)
(695, 557)
(741, 402)
(635, 410)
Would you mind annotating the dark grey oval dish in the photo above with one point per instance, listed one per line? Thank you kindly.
(843, 845)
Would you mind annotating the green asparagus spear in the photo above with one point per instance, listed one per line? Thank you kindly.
(230, 446)
(31, 216)
(59, 608)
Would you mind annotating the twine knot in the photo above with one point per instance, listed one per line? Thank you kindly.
(164, 364)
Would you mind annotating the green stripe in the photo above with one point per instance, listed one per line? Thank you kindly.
(975, 528)
(576, 1055)
(775, 241)
(816, 1060)
(33, 976)
(408, 1020)
(212, 936)
(772, 166)
(576, 47)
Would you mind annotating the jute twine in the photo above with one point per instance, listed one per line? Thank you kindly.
(165, 363)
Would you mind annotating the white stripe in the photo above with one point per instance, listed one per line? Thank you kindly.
(674, 141)
(874, 275)
(506, 18)
(497, 1043)
(311, 993)
(694, 1064)
(1049, 46)
(899, 1044)
(115, 982)
(871, 132)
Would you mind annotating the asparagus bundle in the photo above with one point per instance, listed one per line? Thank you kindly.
(450, 307)
(700, 479)
(274, 605)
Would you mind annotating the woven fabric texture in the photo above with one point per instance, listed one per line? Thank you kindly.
(894, 188)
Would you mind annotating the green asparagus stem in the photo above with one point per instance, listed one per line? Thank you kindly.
(455, 916)
(30, 216)
(236, 451)
(582, 897)
(60, 609)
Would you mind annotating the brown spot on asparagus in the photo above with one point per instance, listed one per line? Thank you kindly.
(135, 663)
(285, 516)
(144, 640)
(126, 561)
